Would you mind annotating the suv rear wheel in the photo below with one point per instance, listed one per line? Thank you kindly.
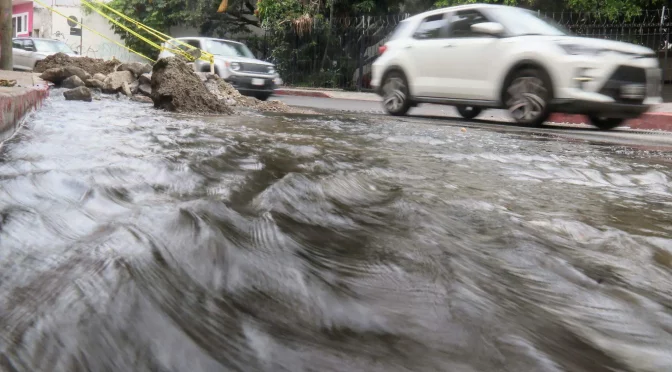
(396, 100)
(605, 123)
(468, 112)
(527, 96)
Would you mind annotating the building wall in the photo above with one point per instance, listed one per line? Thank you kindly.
(51, 25)
(21, 9)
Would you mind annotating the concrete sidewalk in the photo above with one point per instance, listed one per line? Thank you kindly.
(659, 118)
(19, 100)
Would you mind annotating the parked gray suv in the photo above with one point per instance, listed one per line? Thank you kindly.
(234, 63)
(27, 51)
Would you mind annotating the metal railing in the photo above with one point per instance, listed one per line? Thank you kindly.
(338, 53)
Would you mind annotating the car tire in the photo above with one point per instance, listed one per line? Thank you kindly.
(603, 123)
(527, 95)
(396, 97)
(468, 112)
(262, 96)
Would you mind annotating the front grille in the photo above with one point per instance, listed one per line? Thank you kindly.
(624, 75)
(253, 67)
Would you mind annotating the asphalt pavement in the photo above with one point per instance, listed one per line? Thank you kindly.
(495, 120)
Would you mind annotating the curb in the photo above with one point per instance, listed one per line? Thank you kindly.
(301, 93)
(15, 104)
(650, 121)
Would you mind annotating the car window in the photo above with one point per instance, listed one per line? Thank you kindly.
(193, 43)
(462, 21)
(227, 48)
(28, 45)
(432, 27)
(18, 44)
(51, 46)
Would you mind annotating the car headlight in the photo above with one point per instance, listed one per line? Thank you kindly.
(575, 49)
(271, 69)
(234, 66)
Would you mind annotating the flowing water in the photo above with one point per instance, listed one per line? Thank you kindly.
(136, 240)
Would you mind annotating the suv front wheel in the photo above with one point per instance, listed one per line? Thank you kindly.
(396, 100)
(527, 95)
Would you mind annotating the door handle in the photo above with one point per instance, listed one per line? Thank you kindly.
(448, 46)
(407, 47)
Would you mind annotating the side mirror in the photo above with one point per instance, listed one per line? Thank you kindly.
(488, 28)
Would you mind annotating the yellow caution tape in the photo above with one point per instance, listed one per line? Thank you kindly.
(94, 31)
(205, 56)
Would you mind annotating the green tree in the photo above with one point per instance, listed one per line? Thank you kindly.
(161, 15)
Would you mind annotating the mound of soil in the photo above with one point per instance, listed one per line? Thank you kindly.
(91, 65)
(175, 87)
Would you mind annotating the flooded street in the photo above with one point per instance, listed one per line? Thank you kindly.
(136, 240)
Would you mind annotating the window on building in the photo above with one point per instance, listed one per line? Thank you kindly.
(20, 24)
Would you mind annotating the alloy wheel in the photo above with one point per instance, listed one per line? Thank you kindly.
(527, 97)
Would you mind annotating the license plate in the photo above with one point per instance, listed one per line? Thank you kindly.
(258, 82)
(633, 91)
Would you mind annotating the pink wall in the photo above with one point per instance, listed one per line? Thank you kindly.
(25, 8)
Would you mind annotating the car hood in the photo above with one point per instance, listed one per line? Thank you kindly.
(612, 45)
(243, 60)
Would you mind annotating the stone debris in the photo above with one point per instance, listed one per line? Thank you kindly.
(100, 77)
(72, 82)
(90, 65)
(171, 84)
(78, 94)
(136, 68)
(57, 75)
(114, 81)
(126, 89)
(95, 83)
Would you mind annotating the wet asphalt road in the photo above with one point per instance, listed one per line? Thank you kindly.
(490, 119)
(136, 240)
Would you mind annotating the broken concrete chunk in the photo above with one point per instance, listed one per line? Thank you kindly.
(114, 81)
(57, 75)
(95, 83)
(100, 77)
(126, 89)
(72, 82)
(136, 68)
(145, 78)
(78, 94)
(145, 89)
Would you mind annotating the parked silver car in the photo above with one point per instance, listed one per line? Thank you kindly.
(234, 63)
(27, 51)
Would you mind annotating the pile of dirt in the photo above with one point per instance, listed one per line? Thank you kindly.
(91, 65)
(175, 87)
(232, 97)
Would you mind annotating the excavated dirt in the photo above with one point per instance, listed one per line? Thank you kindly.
(226, 92)
(90, 65)
(175, 87)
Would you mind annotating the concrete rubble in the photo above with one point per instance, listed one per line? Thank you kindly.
(171, 84)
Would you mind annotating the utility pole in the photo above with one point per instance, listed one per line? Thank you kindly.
(6, 35)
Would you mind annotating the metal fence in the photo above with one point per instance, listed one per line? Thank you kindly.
(338, 53)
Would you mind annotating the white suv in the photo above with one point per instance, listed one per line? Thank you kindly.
(492, 56)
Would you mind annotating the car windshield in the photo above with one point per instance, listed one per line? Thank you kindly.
(52, 46)
(227, 49)
(524, 22)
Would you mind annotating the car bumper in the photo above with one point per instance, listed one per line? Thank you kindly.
(249, 84)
